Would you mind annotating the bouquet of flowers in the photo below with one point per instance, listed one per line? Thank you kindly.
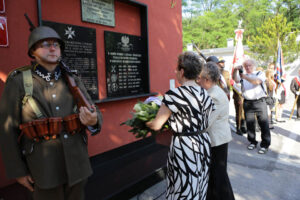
(144, 112)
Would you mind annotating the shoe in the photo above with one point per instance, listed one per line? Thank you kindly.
(238, 132)
(263, 150)
(251, 146)
(272, 122)
(297, 119)
(244, 130)
(280, 120)
(271, 127)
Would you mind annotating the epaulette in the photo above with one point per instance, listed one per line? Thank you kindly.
(18, 70)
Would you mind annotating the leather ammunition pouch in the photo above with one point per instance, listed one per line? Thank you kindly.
(47, 128)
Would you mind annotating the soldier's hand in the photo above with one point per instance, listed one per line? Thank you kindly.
(26, 181)
(87, 117)
(228, 96)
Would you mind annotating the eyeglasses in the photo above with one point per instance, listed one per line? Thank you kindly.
(248, 65)
(47, 45)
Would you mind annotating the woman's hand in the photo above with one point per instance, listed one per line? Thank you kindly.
(87, 117)
(26, 181)
(162, 116)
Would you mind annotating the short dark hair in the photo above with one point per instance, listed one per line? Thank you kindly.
(191, 63)
(211, 72)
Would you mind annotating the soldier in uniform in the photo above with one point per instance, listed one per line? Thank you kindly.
(239, 111)
(295, 88)
(51, 162)
(224, 81)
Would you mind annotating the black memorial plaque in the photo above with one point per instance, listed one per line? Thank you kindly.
(126, 66)
(80, 53)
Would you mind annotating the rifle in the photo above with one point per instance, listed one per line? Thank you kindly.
(76, 92)
(29, 22)
(292, 112)
(199, 52)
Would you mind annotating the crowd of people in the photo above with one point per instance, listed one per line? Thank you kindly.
(197, 112)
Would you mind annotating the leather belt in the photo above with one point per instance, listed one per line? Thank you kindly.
(47, 128)
(190, 133)
(255, 100)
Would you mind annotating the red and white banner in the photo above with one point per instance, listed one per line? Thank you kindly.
(238, 55)
(2, 6)
(3, 32)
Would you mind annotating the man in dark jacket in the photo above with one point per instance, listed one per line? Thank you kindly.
(295, 88)
(51, 164)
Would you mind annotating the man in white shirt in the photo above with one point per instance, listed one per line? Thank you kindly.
(253, 91)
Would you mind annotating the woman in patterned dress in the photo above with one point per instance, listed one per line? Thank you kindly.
(187, 109)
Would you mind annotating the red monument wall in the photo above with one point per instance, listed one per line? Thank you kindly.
(165, 43)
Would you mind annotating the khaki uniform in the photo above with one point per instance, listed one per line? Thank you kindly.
(295, 87)
(225, 88)
(53, 162)
(239, 112)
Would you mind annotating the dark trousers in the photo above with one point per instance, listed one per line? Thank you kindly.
(219, 187)
(257, 108)
(62, 192)
(298, 108)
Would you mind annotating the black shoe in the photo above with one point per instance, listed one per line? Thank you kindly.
(244, 130)
(239, 132)
(271, 127)
(297, 119)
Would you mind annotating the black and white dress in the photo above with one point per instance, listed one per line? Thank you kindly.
(189, 156)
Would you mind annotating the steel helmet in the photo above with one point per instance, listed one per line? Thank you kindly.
(42, 33)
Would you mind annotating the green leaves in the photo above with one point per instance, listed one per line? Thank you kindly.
(144, 112)
(264, 44)
(210, 28)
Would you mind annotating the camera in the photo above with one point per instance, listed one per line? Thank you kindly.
(241, 70)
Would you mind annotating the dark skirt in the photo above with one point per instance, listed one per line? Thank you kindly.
(219, 187)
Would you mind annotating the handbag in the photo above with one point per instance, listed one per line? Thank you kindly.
(270, 101)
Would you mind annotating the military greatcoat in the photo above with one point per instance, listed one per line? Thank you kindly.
(53, 162)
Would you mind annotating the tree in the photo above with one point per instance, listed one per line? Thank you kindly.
(194, 8)
(252, 12)
(264, 44)
(217, 20)
(210, 30)
(291, 10)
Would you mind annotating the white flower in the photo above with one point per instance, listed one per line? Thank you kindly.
(156, 100)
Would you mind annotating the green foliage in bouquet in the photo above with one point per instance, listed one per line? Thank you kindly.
(144, 112)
